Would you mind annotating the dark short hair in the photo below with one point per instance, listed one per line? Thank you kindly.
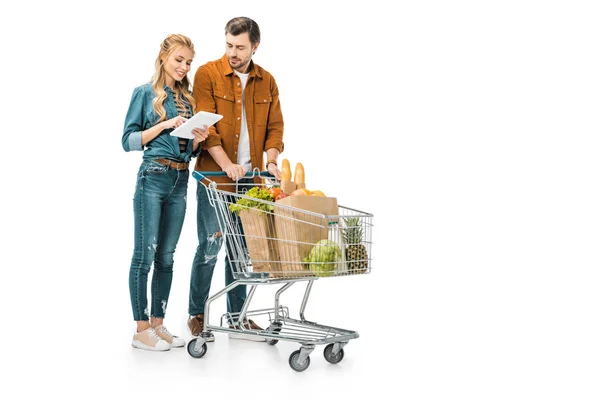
(240, 25)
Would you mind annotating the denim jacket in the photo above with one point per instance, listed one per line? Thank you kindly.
(141, 116)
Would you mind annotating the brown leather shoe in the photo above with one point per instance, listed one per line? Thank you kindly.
(248, 324)
(196, 325)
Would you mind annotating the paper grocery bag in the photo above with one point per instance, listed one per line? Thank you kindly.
(298, 231)
(288, 187)
(259, 232)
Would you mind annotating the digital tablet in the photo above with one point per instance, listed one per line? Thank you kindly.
(197, 121)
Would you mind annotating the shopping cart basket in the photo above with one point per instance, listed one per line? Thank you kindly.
(270, 243)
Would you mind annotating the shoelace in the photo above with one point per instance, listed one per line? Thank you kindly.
(154, 335)
(166, 332)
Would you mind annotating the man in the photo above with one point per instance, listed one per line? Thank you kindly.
(247, 97)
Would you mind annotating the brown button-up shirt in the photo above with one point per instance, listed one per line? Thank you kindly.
(218, 89)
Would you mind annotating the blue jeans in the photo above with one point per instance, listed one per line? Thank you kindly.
(159, 209)
(210, 241)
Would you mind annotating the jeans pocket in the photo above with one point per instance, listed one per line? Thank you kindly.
(155, 168)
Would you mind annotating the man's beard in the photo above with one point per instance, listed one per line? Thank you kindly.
(240, 65)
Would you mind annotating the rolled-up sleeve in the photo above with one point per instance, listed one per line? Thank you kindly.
(274, 138)
(134, 122)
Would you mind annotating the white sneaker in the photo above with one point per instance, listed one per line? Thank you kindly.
(149, 340)
(164, 334)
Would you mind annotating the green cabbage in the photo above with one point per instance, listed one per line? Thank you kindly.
(323, 258)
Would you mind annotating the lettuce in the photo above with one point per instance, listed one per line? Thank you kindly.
(257, 193)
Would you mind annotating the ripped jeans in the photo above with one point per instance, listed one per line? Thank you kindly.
(210, 241)
(159, 209)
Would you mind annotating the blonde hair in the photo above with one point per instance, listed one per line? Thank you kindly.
(170, 45)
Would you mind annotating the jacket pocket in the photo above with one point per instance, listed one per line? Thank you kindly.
(225, 103)
(262, 105)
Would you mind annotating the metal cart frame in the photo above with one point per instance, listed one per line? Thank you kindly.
(307, 333)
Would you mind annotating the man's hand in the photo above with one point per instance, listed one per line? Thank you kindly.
(235, 171)
(274, 170)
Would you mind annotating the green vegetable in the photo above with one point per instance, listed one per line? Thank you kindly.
(323, 258)
(243, 203)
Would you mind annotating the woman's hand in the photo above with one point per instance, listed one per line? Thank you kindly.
(200, 134)
(173, 122)
(235, 171)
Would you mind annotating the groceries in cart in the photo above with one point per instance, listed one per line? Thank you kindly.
(293, 231)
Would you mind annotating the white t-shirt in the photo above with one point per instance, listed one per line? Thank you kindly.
(243, 156)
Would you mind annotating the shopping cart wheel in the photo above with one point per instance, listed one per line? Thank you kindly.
(328, 353)
(273, 342)
(296, 366)
(194, 353)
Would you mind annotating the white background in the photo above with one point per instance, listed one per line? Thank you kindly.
(469, 128)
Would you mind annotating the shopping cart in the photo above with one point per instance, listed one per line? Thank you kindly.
(271, 243)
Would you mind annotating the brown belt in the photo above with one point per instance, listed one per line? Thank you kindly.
(179, 166)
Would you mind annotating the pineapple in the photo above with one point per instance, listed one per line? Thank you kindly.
(356, 253)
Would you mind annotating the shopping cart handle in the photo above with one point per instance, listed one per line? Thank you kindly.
(200, 175)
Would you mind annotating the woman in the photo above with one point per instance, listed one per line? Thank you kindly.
(160, 196)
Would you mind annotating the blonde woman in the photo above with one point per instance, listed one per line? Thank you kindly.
(159, 202)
